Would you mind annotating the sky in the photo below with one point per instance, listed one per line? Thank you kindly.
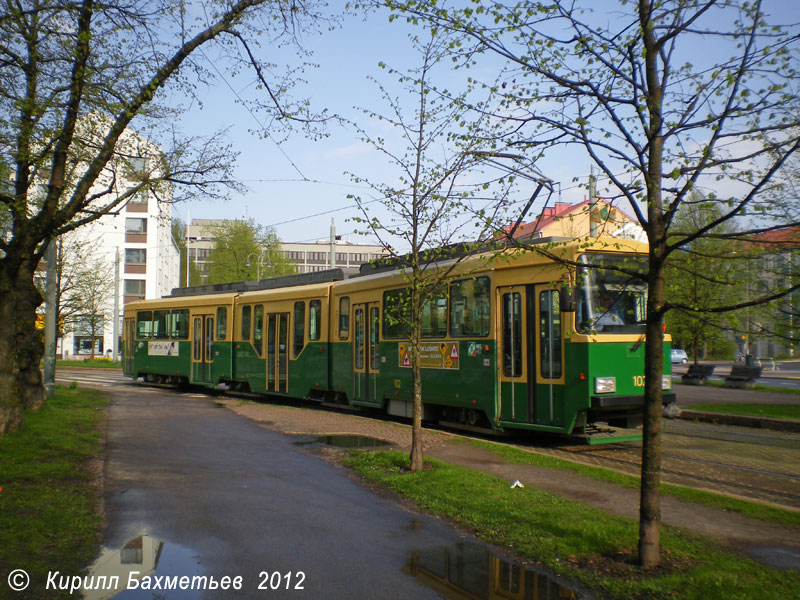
(297, 185)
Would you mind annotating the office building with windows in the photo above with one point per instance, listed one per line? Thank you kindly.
(307, 256)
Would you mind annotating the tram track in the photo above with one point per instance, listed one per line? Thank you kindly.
(731, 434)
(742, 480)
(696, 464)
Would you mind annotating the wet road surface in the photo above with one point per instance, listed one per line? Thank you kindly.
(194, 489)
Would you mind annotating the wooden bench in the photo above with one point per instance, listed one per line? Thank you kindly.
(742, 376)
(697, 374)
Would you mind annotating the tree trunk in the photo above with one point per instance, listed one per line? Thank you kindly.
(11, 409)
(21, 348)
(416, 378)
(650, 500)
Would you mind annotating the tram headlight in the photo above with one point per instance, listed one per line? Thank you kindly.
(605, 385)
(666, 382)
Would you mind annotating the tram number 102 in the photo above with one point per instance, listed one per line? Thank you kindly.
(638, 381)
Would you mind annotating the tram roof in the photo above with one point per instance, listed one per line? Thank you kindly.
(314, 290)
(181, 302)
(537, 251)
(283, 281)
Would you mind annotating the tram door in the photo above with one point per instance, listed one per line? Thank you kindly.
(277, 352)
(202, 348)
(127, 349)
(531, 355)
(548, 360)
(515, 397)
(366, 324)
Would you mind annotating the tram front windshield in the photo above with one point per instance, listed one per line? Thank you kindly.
(608, 299)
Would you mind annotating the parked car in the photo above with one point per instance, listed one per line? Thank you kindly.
(678, 356)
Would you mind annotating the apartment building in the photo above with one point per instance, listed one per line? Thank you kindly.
(133, 244)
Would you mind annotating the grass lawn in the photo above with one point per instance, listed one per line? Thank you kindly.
(572, 539)
(773, 411)
(48, 506)
(754, 510)
(94, 363)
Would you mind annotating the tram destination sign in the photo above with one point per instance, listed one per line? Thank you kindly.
(162, 348)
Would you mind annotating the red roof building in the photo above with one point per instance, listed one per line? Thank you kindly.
(572, 221)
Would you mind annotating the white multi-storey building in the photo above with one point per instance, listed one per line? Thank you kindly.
(133, 245)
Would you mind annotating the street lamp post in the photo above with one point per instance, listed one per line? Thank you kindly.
(259, 262)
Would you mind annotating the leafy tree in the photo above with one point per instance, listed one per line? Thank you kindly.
(699, 275)
(89, 302)
(439, 199)
(245, 251)
(660, 118)
(76, 79)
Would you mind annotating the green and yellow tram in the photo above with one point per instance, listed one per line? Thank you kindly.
(514, 341)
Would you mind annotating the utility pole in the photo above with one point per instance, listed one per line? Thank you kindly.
(332, 261)
(592, 203)
(51, 316)
(114, 346)
(187, 246)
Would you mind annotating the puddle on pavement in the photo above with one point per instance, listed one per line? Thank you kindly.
(150, 557)
(343, 441)
(779, 557)
(469, 570)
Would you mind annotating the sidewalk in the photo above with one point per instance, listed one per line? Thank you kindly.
(692, 395)
(780, 370)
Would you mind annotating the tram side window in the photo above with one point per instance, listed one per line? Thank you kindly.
(344, 318)
(469, 307)
(550, 334)
(314, 319)
(180, 324)
(245, 323)
(358, 337)
(396, 313)
(299, 328)
(258, 328)
(197, 342)
(434, 317)
(160, 320)
(144, 324)
(222, 322)
(512, 335)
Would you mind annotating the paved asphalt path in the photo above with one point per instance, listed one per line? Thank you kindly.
(228, 497)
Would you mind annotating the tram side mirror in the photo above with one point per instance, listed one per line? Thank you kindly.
(567, 296)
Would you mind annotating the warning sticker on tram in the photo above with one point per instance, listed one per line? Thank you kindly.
(432, 356)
